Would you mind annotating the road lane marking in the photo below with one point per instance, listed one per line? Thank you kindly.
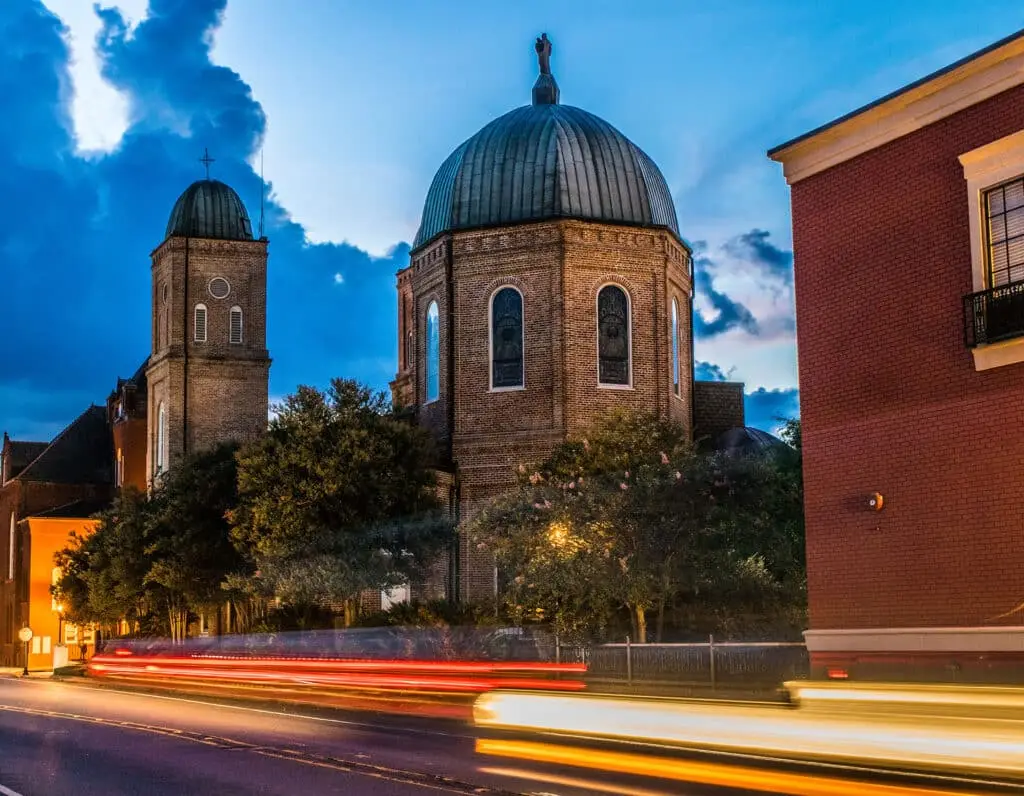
(429, 781)
(8, 792)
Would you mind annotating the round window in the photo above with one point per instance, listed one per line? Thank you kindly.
(219, 287)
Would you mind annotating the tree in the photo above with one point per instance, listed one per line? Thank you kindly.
(339, 497)
(188, 536)
(104, 573)
(163, 555)
(630, 516)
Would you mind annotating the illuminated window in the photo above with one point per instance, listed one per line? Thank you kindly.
(613, 337)
(433, 376)
(119, 469)
(506, 339)
(10, 550)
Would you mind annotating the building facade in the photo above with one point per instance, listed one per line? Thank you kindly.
(548, 283)
(908, 231)
(204, 383)
(207, 378)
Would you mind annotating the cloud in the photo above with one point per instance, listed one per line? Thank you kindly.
(767, 409)
(339, 279)
(745, 285)
(708, 371)
(76, 232)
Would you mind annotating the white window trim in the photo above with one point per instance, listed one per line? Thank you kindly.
(490, 339)
(12, 542)
(984, 168)
(231, 326)
(195, 323)
(426, 353)
(161, 439)
(676, 350)
(597, 336)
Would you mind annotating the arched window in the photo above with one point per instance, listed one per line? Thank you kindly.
(119, 469)
(613, 337)
(433, 376)
(675, 346)
(161, 439)
(236, 325)
(200, 324)
(506, 339)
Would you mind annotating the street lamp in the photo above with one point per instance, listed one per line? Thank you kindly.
(25, 635)
(60, 623)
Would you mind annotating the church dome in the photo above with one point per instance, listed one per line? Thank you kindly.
(544, 161)
(210, 209)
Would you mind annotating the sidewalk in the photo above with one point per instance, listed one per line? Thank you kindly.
(16, 671)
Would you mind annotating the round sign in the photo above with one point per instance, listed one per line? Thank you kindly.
(25, 634)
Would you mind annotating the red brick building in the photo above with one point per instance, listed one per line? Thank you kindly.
(548, 283)
(908, 231)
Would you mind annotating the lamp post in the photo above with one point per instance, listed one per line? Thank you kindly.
(25, 635)
(60, 624)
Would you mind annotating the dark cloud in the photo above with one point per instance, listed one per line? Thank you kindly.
(729, 314)
(75, 234)
(755, 247)
(768, 409)
(769, 267)
(708, 371)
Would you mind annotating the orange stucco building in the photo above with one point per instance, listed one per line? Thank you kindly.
(44, 536)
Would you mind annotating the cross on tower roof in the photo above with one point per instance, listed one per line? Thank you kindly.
(206, 160)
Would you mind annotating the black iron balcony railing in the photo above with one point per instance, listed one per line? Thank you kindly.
(994, 315)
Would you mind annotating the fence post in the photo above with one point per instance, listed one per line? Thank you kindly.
(629, 662)
(558, 650)
(711, 655)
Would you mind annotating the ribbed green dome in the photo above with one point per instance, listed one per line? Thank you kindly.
(209, 209)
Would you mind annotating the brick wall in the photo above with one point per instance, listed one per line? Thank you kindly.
(890, 400)
(224, 385)
(717, 407)
(558, 267)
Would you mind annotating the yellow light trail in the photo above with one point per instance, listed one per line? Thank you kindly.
(716, 774)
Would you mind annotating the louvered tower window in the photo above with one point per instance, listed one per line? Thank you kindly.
(200, 323)
(236, 325)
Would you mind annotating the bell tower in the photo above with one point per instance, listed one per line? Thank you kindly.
(208, 371)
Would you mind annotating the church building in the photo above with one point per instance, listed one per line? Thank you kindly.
(205, 382)
(548, 283)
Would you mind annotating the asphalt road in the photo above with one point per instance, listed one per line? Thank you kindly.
(62, 738)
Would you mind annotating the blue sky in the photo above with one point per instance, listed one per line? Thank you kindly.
(354, 105)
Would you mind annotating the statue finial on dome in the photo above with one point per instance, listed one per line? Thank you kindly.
(543, 48)
(545, 90)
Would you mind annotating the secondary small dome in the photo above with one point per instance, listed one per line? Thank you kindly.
(544, 161)
(210, 209)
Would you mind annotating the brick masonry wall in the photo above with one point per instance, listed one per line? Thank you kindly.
(225, 385)
(890, 400)
(559, 267)
(717, 407)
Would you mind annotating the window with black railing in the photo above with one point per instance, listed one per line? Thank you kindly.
(997, 313)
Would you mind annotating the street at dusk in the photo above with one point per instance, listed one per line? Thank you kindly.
(545, 398)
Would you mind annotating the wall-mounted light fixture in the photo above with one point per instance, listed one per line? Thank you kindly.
(876, 501)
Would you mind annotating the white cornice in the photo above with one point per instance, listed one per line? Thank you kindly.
(974, 81)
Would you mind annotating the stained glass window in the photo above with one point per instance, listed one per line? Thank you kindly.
(433, 353)
(613, 336)
(507, 338)
(675, 347)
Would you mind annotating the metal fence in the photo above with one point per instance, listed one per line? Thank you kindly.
(715, 664)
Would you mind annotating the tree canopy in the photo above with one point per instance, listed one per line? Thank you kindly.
(339, 497)
(630, 516)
